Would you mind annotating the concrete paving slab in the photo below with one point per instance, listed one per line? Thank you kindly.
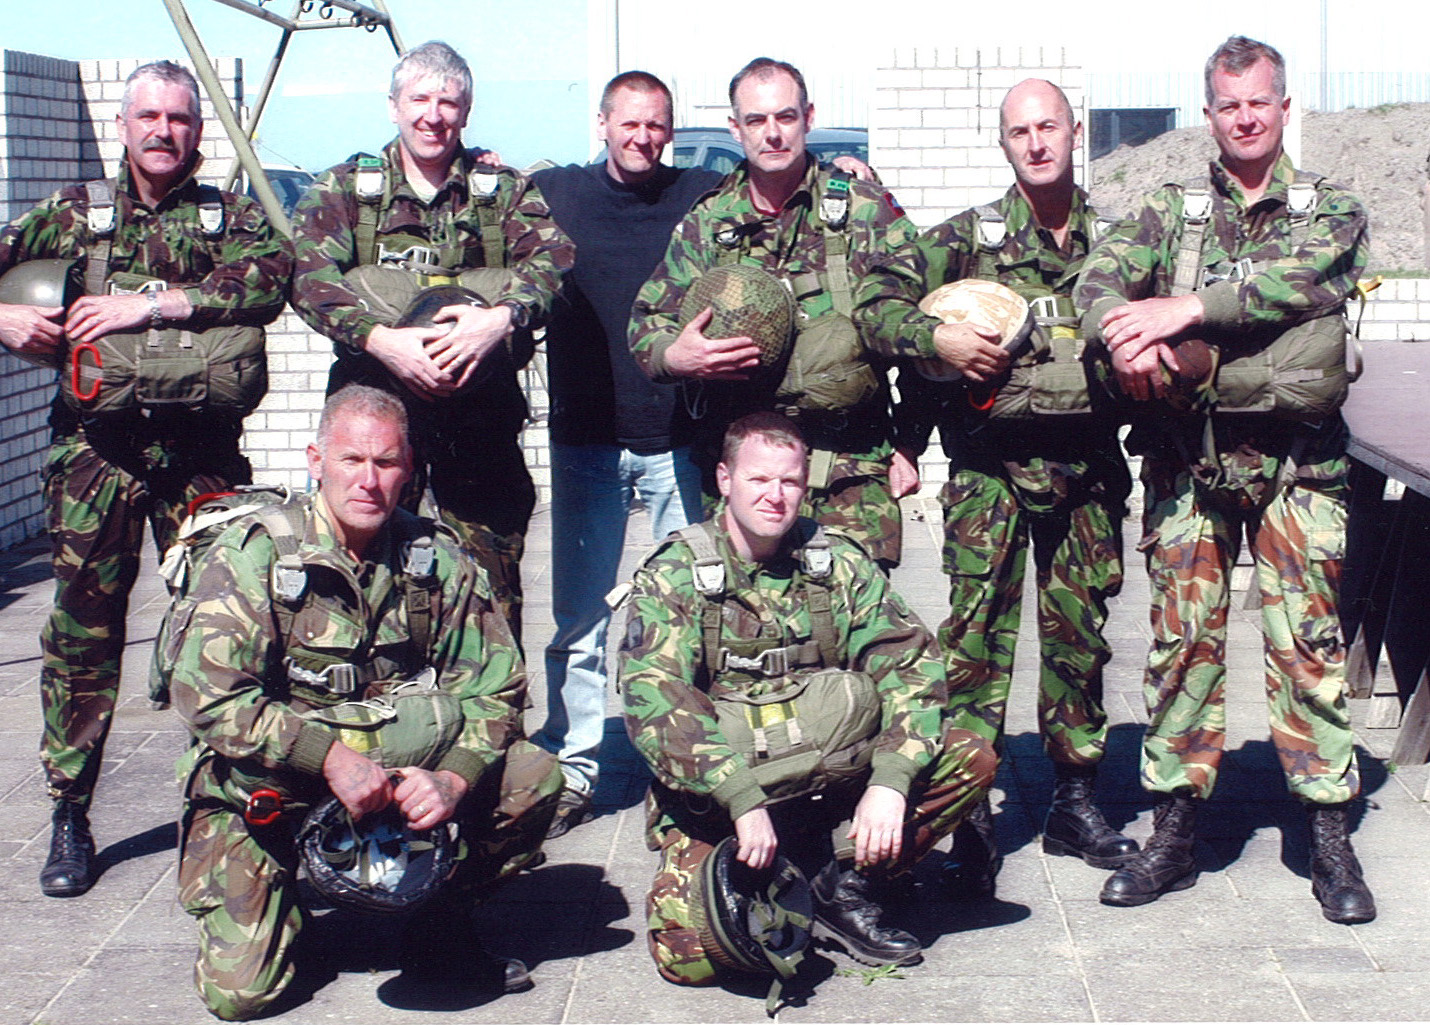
(1173, 985)
(1384, 996)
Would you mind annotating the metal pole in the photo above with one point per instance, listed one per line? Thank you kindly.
(227, 117)
(263, 91)
(391, 27)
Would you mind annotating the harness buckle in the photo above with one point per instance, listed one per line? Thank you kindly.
(149, 286)
(1196, 206)
(414, 258)
(770, 662)
(339, 678)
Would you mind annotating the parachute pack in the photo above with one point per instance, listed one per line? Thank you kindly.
(1300, 373)
(801, 721)
(221, 369)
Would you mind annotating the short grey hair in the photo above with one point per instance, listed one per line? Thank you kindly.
(771, 427)
(361, 400)
(763, 68)
(160, 71)
(1239, 53)
(434, 59)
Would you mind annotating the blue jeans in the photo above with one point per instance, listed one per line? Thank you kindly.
(591, 491)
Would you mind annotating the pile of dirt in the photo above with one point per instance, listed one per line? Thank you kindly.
(1378, 153)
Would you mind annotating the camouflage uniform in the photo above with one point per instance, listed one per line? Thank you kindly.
(1061, 485)
(232, 687)
(1194, 518)
(468, 446)
(853, 495)
(103, 477)
(702, 785)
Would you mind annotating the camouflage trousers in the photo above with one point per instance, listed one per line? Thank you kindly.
(857, 502)
(99, 491)
(1297, 542)
(811, 833)
(1077, 554)
(240, 881)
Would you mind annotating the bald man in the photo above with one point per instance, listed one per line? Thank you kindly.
(1017, 477)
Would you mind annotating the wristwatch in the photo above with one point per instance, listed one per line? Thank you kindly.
(520, 315)
(156, 315)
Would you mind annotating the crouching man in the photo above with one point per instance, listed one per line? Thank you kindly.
(295, 614)
(782, 693)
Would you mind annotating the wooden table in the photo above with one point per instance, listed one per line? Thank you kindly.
(1386, 587)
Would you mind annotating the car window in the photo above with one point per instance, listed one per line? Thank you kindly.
(824, 152)
(684, 156)
(722, 161)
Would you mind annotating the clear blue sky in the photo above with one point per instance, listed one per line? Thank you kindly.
(329, 100)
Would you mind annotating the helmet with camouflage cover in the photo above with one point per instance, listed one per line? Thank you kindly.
(752, 922)
(378, 863)
(42, 283)
(983, 304)
(747, 302)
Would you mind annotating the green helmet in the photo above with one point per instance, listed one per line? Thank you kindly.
(748, 301)
(753, 922)
(42, 283)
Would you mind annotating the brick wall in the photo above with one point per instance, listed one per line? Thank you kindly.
(934, 130)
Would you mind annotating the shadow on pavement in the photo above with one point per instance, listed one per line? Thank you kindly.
(154, 840)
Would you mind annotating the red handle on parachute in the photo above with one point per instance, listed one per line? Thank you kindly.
(264, 807)
(984, 405)
(93, 393)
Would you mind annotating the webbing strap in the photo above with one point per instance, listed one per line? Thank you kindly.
(419, 585)
(482, 190)
(369, 184)
(288, 578)
(101, 221)
(1196, 214)
(833, 221)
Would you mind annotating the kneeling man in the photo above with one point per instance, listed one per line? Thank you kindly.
(273, 635)
(782, 693)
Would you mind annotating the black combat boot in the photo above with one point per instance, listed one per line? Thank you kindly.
(971, 870)
(846, 916)
(1165, 864)
(1074, 825)
(70, 869)
(1336, 877)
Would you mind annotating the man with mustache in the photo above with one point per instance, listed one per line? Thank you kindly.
(192, 258)
(431, 207)
(1257, 259)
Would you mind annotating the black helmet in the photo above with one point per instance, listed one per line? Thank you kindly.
(377, 864)
(756, 922)
(425, 306)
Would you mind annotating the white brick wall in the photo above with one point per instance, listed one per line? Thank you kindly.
(934, 135)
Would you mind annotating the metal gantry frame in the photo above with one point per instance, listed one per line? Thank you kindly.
(320, 16)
